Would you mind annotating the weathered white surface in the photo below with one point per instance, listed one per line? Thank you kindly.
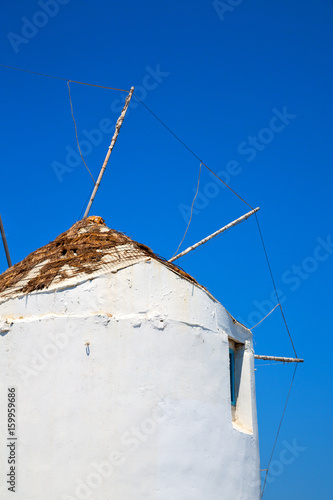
(147, 414)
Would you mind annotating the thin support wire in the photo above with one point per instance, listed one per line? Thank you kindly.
(77, 139)
(190, 219)
(192, 153)
(278, 431)
(63, 79)
(227, 185)
(273, 281)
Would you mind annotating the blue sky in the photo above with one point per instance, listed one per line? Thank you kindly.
(247, 86)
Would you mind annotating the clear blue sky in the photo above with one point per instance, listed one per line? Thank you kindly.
(248, 88)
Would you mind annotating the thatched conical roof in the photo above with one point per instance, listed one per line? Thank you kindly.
(87, 248)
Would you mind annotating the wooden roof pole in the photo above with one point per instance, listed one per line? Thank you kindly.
(3, 235)
(113, 141)
(231, 224)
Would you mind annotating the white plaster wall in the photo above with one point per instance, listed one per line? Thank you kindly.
(146, 415)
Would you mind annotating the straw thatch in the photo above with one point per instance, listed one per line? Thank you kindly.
(80, 250)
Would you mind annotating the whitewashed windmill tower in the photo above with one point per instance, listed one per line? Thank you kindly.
(127, 379)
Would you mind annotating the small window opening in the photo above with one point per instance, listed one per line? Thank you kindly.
(240, 374)
(232, 376)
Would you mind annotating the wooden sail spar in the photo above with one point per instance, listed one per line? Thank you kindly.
(113, 142)
(211, 236)
(278, 358)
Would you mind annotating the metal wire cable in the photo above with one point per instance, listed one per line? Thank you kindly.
(77, 139)
(278, 431)
(275, 289)
(192, 152)
(60, 78)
